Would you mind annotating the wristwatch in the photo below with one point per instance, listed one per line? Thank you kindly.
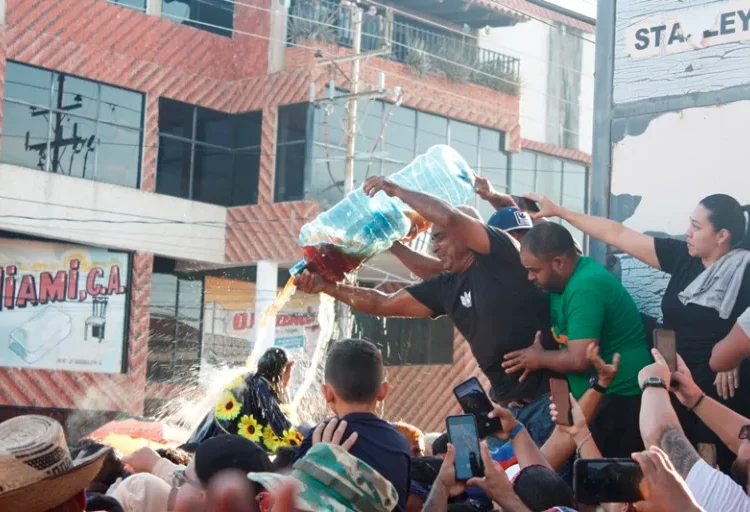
(594, 384)
(654, 382)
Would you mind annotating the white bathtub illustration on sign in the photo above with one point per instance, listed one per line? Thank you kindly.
(39, 335)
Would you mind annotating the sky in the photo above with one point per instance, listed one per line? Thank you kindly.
(585, 7)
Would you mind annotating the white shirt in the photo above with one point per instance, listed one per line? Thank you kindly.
(744, 321)
(715, 491)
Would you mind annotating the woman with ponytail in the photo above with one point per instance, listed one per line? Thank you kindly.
(708, 290)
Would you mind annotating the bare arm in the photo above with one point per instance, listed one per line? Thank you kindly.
(660, 427)
(377, 303)
(729, 352)
(486, 191)
(636, 244)
(421, 265)
(572, 360)
(527, 451)
(458, 225)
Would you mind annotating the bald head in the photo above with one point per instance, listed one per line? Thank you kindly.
(471, 212)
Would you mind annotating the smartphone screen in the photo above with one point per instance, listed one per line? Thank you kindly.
(607, 481)
(463, 435)
(473, 400)
(561, 398)
(666, 343)
(525, 204)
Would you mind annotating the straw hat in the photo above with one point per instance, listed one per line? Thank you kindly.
(36, 469)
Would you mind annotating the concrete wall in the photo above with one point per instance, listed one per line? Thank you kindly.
(548, 57)
(103, 215)
(670, 119)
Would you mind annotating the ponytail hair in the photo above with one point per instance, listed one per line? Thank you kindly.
(725, 212)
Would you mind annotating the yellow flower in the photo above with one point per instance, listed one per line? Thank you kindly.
(270, 439)
(249, 428)
(228, 408)
(292, 437)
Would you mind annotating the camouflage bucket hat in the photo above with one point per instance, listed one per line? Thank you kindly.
(331, 479)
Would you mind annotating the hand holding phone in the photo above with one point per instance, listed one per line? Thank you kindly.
(560, 393)
(463, 435)
(666, 343)
(473, 400)
(598, 481)
(525, 204)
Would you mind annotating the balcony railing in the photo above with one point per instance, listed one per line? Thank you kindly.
(425, 50)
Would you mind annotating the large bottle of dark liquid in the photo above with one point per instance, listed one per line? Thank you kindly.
(358, 227)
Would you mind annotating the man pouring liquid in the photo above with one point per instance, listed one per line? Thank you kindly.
(483, 288)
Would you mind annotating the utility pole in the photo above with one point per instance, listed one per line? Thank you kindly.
(351, 122)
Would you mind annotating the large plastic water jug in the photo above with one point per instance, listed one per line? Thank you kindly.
(359, 227)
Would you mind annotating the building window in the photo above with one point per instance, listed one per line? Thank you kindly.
(563, 181)
(72, 126)
(408, 341)
(138, 5)
(291, 152)
(208, 156)
(174, 344)
(216, 16)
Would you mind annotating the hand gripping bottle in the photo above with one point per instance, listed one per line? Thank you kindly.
(359, 227)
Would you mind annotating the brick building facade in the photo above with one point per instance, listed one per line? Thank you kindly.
(144, 49)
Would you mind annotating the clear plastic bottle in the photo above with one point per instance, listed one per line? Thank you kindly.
(359, 227)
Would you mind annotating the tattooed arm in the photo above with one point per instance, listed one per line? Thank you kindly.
(660, 427)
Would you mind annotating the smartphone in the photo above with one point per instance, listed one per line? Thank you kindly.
(463, 435)
(525, 204)
(607, 481)
(666, 343)
(473, 400)
(561, 398)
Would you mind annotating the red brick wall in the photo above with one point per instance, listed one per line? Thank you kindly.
(78, 390)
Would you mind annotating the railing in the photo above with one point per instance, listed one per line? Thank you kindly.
(425, 50)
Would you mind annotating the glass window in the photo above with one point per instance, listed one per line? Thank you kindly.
(27, 84)
(400, 135)
(464, 138)
(25, 136)
(213, 127)
(173, 167)
(549, 177)
(369, 125)
(327, 175)
(292, 123)
(431, 131)
(174, 345)
(408, 341)
(219, 165)
(523, 172)
(118, 150)
(213, 175)
(216, 16)
(574, 193)
(90, 130)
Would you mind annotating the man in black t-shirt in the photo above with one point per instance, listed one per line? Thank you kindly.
(484, 289)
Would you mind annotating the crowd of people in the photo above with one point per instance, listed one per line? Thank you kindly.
(532, 307)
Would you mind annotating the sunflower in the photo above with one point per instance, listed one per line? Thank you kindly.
(270, 439)
(228, 408)
(250, 429)
(292, 437)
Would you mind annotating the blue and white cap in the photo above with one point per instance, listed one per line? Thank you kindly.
(510, 219)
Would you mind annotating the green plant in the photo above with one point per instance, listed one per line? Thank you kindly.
(312, 21)
(496, 74)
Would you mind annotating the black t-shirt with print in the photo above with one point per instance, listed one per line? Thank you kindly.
(497, 309)
(697, 328)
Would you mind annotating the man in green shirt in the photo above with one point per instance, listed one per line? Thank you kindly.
(587, 305)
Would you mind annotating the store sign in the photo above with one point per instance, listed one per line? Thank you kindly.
(690, 29)
(229, 310)
(62, 307)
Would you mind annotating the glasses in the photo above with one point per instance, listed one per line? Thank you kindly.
(744, 432)
(179, 479)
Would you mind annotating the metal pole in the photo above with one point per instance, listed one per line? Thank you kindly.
(344, 314)
(351, 122)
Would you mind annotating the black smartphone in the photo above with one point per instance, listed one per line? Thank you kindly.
(666, 343)
(560, 392)
(473, 399)
(463, 435)
(607, 481)
(525, 204)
